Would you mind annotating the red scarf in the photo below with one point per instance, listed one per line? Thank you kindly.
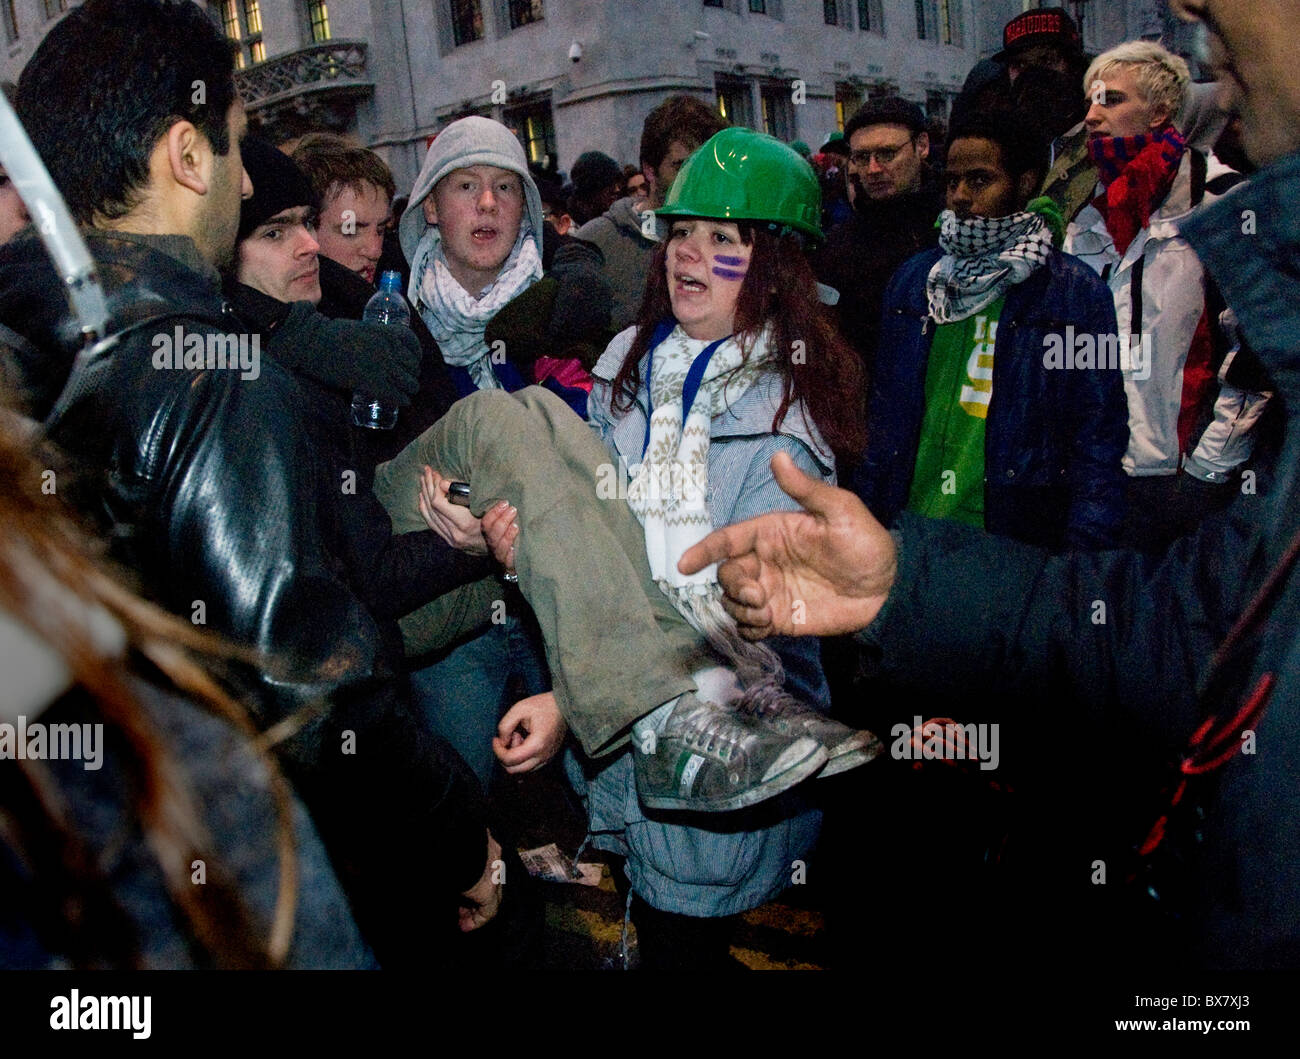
(1138, 172)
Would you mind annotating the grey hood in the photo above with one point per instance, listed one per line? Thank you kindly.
(468, 142)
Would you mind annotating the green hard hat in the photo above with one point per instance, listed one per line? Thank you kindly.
(740, 175)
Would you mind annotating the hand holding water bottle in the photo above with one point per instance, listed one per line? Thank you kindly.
(389, 308)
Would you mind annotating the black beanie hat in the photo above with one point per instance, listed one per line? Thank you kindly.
(891, 110)
(278, 184)
(593, 172)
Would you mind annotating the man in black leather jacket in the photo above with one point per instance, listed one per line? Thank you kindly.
(206, 472)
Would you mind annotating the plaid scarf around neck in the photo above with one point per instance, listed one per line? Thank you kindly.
(1137, 173)
(983, 257)
(669, 491)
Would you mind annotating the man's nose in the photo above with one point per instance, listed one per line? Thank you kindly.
(487, 200)
(372, 249)
(1095, 116)
(246, 186)
(874, 165)
(308, 247)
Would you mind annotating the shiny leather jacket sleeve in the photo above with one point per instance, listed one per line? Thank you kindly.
(222, 475)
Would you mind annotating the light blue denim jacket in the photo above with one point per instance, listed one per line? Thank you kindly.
(749, 858)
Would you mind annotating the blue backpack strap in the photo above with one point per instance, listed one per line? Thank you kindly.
(662, 330)
(696, 375)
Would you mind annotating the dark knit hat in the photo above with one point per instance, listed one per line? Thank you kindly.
(593, 172)
(278, 184)
(889, 110)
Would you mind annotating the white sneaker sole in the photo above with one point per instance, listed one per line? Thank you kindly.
(801, 759)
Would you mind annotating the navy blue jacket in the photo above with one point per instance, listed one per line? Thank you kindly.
(1053, 438)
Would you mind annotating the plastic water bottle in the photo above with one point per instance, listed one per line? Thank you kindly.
(389, 308)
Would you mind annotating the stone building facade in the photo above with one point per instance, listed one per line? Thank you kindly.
(575, 75)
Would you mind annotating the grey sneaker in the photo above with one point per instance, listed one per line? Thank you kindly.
(846, 747)
(708, 758)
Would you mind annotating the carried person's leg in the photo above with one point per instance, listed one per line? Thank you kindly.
(615, 650)
(619, 652)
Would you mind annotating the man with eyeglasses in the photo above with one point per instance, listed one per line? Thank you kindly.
(895, 203)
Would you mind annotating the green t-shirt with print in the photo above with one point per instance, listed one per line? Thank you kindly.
(948, 480)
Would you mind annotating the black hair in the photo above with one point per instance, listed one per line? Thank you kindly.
(106, 84)
(1022, 150)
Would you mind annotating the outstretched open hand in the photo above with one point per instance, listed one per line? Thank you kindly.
(822, 571)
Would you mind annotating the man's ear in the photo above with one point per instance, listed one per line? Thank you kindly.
(430, 209)
(647, 171)
(923, 145)
(1160, 116)
(189, 157)
(1027, 184)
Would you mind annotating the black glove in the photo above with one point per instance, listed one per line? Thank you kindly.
(583, 301)
(383, 362)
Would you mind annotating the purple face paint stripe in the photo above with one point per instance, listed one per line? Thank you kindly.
(726, 273)
(721, 260)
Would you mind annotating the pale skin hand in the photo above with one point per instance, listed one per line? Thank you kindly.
(501, 530)
(481, 901)
(452, 523)
(831, 565)
(530, 734)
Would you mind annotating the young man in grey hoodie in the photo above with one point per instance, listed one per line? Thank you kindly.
(474, 237)
(627, 235)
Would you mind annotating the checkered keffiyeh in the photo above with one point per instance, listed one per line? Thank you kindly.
(982, 258)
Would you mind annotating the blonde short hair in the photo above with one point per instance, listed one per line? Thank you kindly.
(1162, 77)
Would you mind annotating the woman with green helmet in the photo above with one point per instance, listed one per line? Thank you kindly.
(730, 362)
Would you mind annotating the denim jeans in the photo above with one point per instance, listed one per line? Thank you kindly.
(465, 691)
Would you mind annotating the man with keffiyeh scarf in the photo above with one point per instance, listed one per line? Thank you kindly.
(968, 418)
(1192, 415)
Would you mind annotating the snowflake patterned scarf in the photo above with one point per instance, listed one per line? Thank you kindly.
(690, 382)
(456, 319)
(983, 257)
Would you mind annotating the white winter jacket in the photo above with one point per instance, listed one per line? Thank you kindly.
(1161, 317)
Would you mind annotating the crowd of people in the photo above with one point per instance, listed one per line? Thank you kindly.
(1044, 350)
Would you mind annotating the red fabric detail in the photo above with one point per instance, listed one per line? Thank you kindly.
(1129, 199)
(567, 371)
(1198, 378)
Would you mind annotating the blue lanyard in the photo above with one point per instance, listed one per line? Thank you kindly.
(694, 376)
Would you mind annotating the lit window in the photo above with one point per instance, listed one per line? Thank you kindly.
(230, 20)
(318, 16)
(241, 21)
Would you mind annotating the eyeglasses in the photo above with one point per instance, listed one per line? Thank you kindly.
(882, 155)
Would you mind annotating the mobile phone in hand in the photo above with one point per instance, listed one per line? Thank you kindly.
(458, 493)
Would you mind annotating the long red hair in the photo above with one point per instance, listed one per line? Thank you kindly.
(818, 367)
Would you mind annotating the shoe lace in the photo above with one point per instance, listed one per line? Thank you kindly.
(715, 733)
(769, 699)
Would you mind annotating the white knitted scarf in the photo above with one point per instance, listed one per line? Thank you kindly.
(669, 491)
(457, 319)
(983, 258)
